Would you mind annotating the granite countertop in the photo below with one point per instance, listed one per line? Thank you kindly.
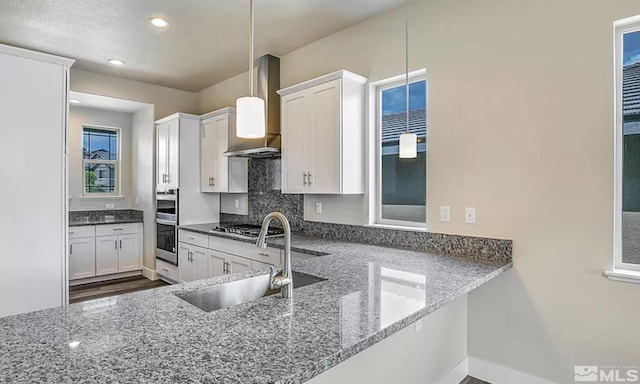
(102, 217)
(153, 336)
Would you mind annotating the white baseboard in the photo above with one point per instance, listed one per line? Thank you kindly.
(498, 374)
(149, 273)
(457, 374)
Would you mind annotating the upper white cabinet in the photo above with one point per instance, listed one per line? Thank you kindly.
(167, 153)
(323, 135)
(219, 173)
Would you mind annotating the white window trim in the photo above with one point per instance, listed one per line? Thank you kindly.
(621, 271)
(375, 219)
(97, 195)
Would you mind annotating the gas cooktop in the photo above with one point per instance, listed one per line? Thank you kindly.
(247, 230)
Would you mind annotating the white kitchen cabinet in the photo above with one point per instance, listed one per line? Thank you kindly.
(118, 248)
(217, 263)
(82, 257)
(34, 104)
(167, 154)
(323, 135)
(128, 259)
(106, 255)
(236, 264)
(192, 262)
(219, 173)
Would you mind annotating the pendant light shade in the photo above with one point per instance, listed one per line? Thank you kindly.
(250, 111)
(408, 146)
(408, 140)
(250, 120)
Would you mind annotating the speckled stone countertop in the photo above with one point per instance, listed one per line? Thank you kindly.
(102, 217)
(155, 337)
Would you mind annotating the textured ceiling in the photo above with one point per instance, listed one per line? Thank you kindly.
(206, 42)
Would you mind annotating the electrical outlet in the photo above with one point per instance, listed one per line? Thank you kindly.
(236, 203)
(445, 214)
(319, 208)
(470, 215)
(418, 325)
(110, 206)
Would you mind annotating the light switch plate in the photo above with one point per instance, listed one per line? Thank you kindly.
(236, 203)
(470, 215)
(445, 214)
(110, 206)
(319, 208)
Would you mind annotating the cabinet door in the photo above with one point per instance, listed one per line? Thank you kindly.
(258, 266)
(173, 181)
(106, 255)
(128, 259)
(199, 259)
(162, 155)
(217, 262)
(185, 265)
(295, 123)
(238, 264)
(324, 138)
(221, 163)
(207, 155)
(82, 258)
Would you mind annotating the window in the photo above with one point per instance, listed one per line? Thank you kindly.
(401, 184)
(101, 161)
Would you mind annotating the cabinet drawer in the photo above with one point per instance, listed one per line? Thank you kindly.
(80, 232)
(268, 255)
(167, 270)
(193, 238)
(116, 229)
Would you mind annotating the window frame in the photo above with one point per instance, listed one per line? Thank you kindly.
(117, 163)
(375, 204)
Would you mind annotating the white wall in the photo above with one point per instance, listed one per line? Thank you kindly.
(521, 128)
(91, 116)
(166, 101)
(143, 179)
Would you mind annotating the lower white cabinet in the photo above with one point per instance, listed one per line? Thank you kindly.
(105, 250)
(106, 255)
(82, 258)
(192, 262)
(223, 256)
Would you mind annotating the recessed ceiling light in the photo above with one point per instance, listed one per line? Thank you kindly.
(116, 62)
(74, 101)
(159, 22)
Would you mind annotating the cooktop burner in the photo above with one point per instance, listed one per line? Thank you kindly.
(248, 230)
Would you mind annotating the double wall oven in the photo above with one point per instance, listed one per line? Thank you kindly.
(167, 226)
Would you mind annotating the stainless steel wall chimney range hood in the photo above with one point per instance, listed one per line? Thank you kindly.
(268, 85)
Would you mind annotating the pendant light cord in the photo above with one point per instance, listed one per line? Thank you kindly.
(406, 56)
(252, 22)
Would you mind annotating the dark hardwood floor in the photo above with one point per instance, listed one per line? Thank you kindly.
(472, 380)
(91, 291)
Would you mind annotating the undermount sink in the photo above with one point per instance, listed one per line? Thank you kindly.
(240, 291)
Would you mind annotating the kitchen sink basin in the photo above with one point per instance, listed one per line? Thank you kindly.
(240, 291)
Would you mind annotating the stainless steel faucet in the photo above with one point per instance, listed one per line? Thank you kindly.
(285, 280)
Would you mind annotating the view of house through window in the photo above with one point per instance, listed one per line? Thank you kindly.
(402, 182)
(100, 160)
(631, 150)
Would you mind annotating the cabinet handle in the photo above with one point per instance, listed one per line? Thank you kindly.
(115, 243)
(168, 178)
(304, 178)
(214, 181)
(71, 249)
(71, 233)
(310, 178)
(263, 254)
(118, 229)
(120, 244)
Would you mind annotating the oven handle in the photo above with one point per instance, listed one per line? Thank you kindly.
(166, 222)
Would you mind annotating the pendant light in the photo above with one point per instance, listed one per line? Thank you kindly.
(408, 140)
(250, 111)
